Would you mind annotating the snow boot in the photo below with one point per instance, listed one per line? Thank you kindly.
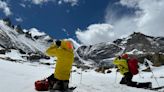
(57, 85)
(144, 85)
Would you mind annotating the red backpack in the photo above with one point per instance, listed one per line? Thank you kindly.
(41, 85)
(133, 65)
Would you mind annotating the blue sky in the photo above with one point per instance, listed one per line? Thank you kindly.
(54, 18)
(88, 21)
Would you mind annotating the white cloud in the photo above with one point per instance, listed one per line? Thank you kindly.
(72, 2)
(95, 33)
(129, 3)
(37, 2)
(5, 8)
(60, 2)
(19, 19)
(23, 5)
(148, 19)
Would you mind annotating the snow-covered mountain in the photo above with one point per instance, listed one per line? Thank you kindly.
(32, 44)
(144, 46)
(25, 41)
(142, 42)
(98, 54)
(138, 44)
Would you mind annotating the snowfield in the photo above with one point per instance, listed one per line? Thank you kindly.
(20, 77)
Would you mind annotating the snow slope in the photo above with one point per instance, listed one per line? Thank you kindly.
(20, 77)
(21, 41)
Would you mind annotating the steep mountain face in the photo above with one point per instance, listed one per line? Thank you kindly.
(138, 44)
(13, 37)
(143, 46)
(97, 53)
(142, 42)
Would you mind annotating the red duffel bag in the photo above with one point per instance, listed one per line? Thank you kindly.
(41, 85)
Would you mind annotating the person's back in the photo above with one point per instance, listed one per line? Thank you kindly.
(65, 58)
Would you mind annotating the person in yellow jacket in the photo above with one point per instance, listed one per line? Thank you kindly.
(122, 63)
(63, 50)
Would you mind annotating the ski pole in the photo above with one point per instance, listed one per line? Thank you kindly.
(147, 64)
(115, 85)
(71, 77)
(81, 77)
(116, 76)
(155, 78)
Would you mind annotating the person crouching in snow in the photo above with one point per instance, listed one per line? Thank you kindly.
(63, 50)
(122, 63)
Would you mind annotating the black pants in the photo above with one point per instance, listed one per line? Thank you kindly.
(52, 80)
(127, 79)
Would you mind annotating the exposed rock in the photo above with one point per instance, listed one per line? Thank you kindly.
(36, 57)
(147, 69)
(19, 29)
(7, 21)
(98, 52)
(2, 51)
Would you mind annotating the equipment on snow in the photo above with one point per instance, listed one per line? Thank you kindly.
(41, 85)
(133, 65)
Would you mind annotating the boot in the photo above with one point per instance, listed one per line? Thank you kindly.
(57, 86)
(65, 85)
(144, 85)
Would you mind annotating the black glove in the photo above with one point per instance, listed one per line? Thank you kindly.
(58, 42)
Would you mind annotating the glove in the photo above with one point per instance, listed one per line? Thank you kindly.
(58, 43)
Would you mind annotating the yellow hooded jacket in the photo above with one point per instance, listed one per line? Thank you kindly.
(65, 58)
(122, 65)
